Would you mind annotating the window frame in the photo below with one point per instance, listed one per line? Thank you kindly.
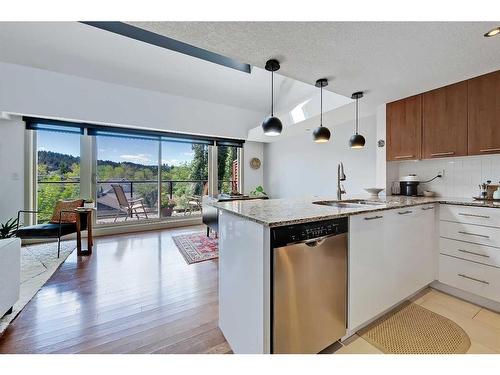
(88, 169)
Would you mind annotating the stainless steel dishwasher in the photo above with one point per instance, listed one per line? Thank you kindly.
(309, 286)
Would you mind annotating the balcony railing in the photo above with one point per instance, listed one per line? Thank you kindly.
(179, 198)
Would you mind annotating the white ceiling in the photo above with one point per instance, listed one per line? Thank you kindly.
(388, 60)
(78, 49)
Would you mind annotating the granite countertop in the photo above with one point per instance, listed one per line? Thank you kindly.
(279, 212)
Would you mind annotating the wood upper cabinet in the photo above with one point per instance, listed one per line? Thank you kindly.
(484, 114)
(444, 121)
(404, 128)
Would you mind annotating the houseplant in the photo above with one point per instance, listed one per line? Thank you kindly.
(258, 192)
(8, 229)
(167, 206)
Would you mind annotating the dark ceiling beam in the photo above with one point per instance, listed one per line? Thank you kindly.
(149, 37)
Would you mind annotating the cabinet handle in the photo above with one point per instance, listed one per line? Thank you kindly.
(405, 212)
(473, 215)
(443, 153)
(427, 208)
(473, 234)
(373, 217)
(473, 253)
(473, 279)
(490, 150)
(404, 156)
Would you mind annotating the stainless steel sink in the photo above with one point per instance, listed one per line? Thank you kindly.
(364, 201)
(349, 203)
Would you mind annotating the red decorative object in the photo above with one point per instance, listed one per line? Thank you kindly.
(197, 247)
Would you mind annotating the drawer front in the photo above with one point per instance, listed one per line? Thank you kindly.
(470, 233)
(470, 215)
(471, 277)
(476, 253)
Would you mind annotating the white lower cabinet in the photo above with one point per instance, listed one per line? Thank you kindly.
(470, 251)
(370, 285)
(469, 248)
(391, 256)
(394, 253)
(472, 277)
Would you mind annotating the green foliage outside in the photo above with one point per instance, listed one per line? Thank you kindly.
(225, 158)
(55, 167)
(49, 193)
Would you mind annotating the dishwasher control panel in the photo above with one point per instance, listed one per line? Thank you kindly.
(289, 234)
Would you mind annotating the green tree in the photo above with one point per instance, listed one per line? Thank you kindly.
(225, 157)
(199, 167)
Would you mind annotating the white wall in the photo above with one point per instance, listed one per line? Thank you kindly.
(37, 92)
(252, 177)
(462, 175)
(11, 168)
(298, 167)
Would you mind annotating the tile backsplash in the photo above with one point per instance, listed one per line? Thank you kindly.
(461, 178)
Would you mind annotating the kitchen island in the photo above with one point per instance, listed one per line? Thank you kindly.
(394, 252)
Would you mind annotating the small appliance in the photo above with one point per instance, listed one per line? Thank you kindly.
(408, 185)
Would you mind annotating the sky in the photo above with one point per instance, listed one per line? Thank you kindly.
(117, 149)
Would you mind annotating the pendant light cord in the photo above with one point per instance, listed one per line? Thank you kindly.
(272, 93)
(321, 107)
(357, 115)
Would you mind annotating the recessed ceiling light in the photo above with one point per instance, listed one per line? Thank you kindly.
(493, 32)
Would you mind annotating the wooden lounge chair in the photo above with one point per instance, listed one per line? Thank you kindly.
(63, 222)
(126, 205)
(194, 201)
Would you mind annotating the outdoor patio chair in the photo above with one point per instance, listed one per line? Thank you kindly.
(194, 201)
(126, 205)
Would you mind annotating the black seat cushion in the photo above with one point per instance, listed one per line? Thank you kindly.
(46, 230)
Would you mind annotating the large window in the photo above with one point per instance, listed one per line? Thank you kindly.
(132, 175)
(184, 178)
(127, 179)
(57, 170)
(227, 169)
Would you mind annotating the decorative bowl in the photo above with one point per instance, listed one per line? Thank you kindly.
(373, 191)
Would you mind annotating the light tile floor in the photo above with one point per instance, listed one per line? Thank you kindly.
(482, 325)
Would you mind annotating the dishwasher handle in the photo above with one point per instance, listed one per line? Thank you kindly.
(316, 242)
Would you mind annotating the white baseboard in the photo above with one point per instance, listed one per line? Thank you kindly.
(123, 229)
(466, 296)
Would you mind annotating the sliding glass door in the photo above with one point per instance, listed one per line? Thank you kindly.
(57, 170)
(126, 179)
(227, 169)
(184, 171)
(132, 176)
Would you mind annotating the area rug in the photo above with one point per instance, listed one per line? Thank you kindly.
(197, 247)
(38, 264)
(412, 329)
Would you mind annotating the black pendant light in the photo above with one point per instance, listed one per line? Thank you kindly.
(321, 134)
(272, 125)
(357, 140)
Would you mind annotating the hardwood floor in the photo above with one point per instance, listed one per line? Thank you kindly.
(135, 294)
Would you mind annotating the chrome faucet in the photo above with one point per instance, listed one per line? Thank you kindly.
(340, 177)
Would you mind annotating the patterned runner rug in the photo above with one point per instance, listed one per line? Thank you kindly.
(197, 247)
